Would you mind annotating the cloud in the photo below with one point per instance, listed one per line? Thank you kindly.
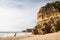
(13, 19)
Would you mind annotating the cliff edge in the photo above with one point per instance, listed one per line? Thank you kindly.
(48, 19)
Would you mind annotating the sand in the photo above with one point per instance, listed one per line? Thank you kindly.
(51, 36)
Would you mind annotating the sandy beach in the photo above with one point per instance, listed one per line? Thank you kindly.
(51, 36)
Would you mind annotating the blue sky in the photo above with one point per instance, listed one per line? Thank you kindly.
(16, 15)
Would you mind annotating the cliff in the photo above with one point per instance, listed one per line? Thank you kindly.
(48, 19)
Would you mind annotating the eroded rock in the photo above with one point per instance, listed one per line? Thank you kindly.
(48, 19)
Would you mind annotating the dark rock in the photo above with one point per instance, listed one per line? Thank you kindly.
(27, 30)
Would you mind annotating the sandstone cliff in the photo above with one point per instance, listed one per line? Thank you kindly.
(48, 19)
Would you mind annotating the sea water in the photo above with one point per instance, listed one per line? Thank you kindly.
(12, 34)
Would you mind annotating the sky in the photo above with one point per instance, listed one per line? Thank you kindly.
(16, 15)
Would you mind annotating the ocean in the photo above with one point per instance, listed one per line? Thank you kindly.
(13, 34)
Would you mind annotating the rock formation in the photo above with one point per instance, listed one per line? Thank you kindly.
(48, 19)
(27, 30)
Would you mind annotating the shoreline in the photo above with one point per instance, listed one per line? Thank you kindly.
(51, 36)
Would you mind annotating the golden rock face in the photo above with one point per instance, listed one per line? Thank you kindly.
(48, 19)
